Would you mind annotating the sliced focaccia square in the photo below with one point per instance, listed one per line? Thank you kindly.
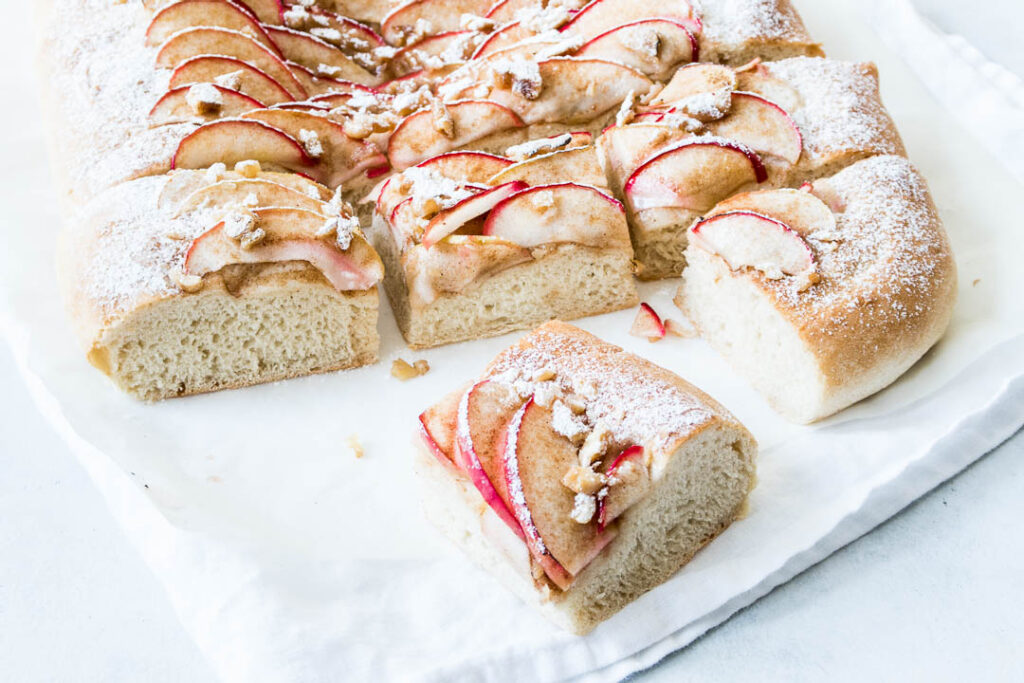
(204, 280)
(477, 244)
(824, 295)
(580, 475)
(713, 131)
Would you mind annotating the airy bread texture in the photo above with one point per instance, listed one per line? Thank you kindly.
(700, 460)
(886, 296)
(279, 324)
(567, 281)
(248, 323)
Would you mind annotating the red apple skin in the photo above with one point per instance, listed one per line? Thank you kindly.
(232, 16)
(469, 462)
(199, 69)
(760, 174)
(648, 324)
(631, 452)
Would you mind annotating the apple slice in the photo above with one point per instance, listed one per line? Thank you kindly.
(347, 26)
(456, 262)
(441, 15)
(761, 125)
(317, 84)
(574, 90)
(341, 158)
(182, 183)
(250, 80)
(267, 11)
(695, 79)
(693, 175)
(504, 37)
(437, 428)
(467, 167)
(535, 458)
(416, 138)
(504, 11)
(651, 46)
(747, 239)
(186, 14)
(311, 52)
(799, 209)
(232, 140)
(563, 212)
(600, 16)
(626, 147)
(579, 163)
(462, 167)
(265, 193)
(174, 107)
(206, 40)
(634, 480)
(290, 236)
(759, 80)
(647, 324)
(482, 415)
(451, 219)
(369, 11)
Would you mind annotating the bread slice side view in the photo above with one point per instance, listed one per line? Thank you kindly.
(167, 303)
(601, 498)
(476, 244)
(825, 296)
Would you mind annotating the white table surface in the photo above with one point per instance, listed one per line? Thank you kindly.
(933, 594)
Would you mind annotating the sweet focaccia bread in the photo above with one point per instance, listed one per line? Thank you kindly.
(580, 475)
(713, 131)
(824, 295)
(477, 244)
(205, 280)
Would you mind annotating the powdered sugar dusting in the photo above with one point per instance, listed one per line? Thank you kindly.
(102, 79)
(887, 248)
(841, 110)
(635, 400)
(733, 21)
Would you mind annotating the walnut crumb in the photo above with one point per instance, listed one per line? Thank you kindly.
(580, 479)
(443, 121)
(403, 371)
(250, 168)
(188, 282)
(595, 445)
(352, 443)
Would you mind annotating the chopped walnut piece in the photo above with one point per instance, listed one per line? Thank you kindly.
(237, 223)
(545, 394)
(543, 375)
(627, 111)
(401, 370)
(231, 80)
(216, 172)
(252, 238)
(807, 280)
(249, 168)
(311, 143)
(204, 98)
(352, 444)
(471, 22)
(643, 42)
(443, 122)
(595, 445)
(580, 479)
(188, 282)
(583, 508)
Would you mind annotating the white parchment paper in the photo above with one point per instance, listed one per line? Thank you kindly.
(288, 559)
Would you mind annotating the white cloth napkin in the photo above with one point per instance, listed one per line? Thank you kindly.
(986, 98)
(289, 560)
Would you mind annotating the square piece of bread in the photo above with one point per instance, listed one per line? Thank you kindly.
(580, 475)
